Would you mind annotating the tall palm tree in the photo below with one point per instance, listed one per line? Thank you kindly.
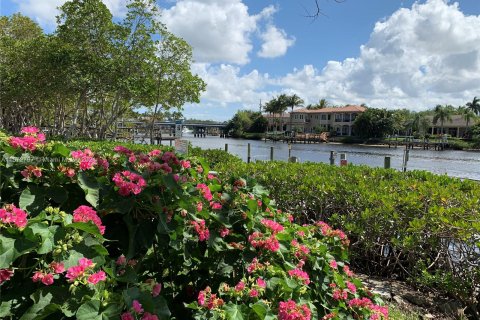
(292, 102)
(474, 105)
(322, 104)
(442, 113)
(467, 114)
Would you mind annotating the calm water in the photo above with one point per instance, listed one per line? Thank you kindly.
(462, 164)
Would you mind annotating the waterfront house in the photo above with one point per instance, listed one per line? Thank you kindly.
(456, 127)
(337, 120)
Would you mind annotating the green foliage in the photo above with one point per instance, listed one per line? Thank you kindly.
(395, 220)
(246, 121)
(374, 123)
(157, 236)
(92, 70)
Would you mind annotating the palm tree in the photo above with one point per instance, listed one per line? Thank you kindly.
(474, 105)
(467, 114)
(322, 104)
(277, 105)
(442, 113)
(292, 102)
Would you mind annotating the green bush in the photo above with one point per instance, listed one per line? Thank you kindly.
(107, 234)
(402, 225)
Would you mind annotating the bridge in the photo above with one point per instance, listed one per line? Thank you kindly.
(171, 129)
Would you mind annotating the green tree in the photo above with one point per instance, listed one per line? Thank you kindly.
(277, 105)
(374, 123)
(442, 114)
(467, 114)
(474, 105)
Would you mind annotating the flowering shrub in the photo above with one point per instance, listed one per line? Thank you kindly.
(182, 243)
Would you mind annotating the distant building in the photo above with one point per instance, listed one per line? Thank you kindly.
(338, 120)
(455, 128)
(277, 122)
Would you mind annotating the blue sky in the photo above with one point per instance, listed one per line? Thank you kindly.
(385, 53)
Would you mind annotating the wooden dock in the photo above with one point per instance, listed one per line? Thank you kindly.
(425, 145)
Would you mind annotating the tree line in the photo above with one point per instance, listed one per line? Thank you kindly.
(92, 70)
(373, 123)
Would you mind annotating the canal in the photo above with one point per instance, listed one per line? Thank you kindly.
(461, 164)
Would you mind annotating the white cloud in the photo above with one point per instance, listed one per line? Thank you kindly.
(221, 31)
(276, 42)
(416, 58)
(45, 11)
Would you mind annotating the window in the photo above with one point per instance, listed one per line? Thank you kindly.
(324, 117)
(338, 117)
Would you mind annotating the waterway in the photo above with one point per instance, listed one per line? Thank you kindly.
(461, 164)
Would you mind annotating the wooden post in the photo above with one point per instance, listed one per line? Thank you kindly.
(248, 153)
(386, 163)
(289, 150)
(332, 158)
(170, 142)
(226, 147)
(271, 153)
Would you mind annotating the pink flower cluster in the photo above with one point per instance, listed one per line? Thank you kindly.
(85, 214)
(46, 276)
(299, 274)
(83, 271)
(208, 299)
(32, 137)
(86, 158)
(255, 265)
(205, 191)
(201, 229)
(329, 232)
(300, 251)
(272, 225)
(289, 310)
(368, 304)
(224, 232)
(154, 287)
(138, 309)
(12, 215)
(257, 240)
(129, 183)
(5, 275)
(339, 294)
(31, 171)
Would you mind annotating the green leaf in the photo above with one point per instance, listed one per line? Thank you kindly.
(32, 199)
(90, 311)
(5, 309)
(42, 306)
(45, 233)
(90, 187)
(88, 227)
(12, 248)
(233, 312)
(59, 149)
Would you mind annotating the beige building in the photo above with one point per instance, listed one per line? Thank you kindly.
(455, 128)
(338, 120)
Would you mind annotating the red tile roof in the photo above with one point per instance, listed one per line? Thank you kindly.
(332, 110)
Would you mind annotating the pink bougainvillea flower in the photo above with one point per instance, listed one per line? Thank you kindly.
(86, 158)
(272, 225)
(127, 316)
(137, 307)
(289, 310)
(47, 279)
(85, 214)
(129, 183)
(156, 289)
(30, 141)
(185, 164)
(37, 276)
(149, 316)
(261, 283)
(205, 191)
(201, 229)
(30, 130)
(97, 277)
(224, 232)
(121, 260)
(253, 293)
(299, 274)
(333, 264)
(31, 171)
(12, 215)
(57, 267)
(199, 206)
(240, 286)
(215, 205)
(5, 275)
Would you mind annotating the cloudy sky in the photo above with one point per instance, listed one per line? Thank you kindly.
(385, 53)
